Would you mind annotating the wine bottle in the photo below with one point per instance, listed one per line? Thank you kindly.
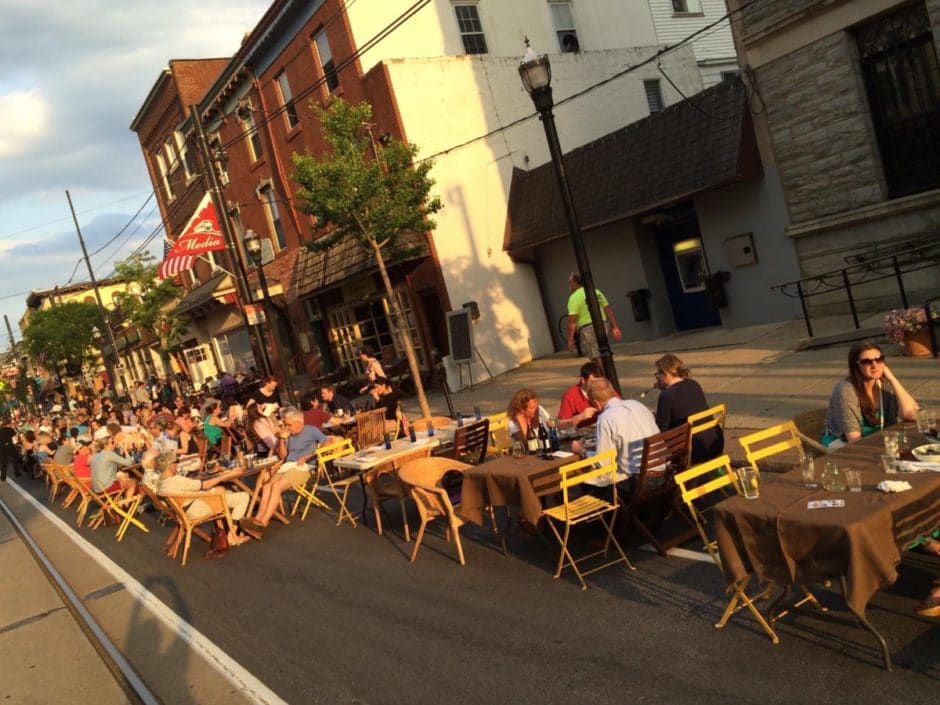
(532, 440)
(552, 438)
(543, 440)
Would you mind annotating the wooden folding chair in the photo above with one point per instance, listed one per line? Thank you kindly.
(771, 441)
(703, 421)
(810, 426)
(424, 476)
(664, 454)
(585, 509)
(55, 479)
(81, 490)
(370, 428)
(471, 441)
(383, 484)
(218, 511)
(695, 485)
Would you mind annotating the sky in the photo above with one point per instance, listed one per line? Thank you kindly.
(72, 77)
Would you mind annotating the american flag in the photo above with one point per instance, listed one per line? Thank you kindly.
(171, 266)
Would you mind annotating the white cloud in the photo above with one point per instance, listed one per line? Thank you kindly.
(23, 115)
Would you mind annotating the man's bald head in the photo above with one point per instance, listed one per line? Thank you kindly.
(600, 391)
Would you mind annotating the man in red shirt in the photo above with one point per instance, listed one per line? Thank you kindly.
(314, 414)
(576, 409)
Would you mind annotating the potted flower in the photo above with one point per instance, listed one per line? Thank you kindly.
(908, 328)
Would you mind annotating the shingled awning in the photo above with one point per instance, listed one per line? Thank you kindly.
(317, 271)
(696, 145)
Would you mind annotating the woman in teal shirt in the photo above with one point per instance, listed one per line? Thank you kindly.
(213, 424)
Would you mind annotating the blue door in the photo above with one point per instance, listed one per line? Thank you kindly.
(682, 257)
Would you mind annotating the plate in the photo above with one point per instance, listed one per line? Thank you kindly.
(929, 453)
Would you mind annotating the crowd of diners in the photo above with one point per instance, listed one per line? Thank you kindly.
(102, 439)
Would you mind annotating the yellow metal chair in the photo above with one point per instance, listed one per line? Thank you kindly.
(705, 420)
(771, 441)
(585, 509)
(124, 509)
(500, 443)
(324, 473)
(695, 484)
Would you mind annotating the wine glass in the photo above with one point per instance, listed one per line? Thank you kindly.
(518, 450)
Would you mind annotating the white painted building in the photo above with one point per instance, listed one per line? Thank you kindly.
(674, 20)
(456, 107)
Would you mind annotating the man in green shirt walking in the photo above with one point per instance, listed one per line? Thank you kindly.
(579, 318)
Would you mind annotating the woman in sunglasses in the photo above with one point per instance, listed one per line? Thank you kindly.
(868, 400)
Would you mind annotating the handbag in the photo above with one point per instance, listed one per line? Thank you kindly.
(219, 543)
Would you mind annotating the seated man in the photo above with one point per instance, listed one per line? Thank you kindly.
(171, 484)
(386, 398)
(621, 424)
(315, 413)
(105, 476)
(162, 439)
(295, 448)
(65, 452)
(81, 466)
(576, 409)
(334, 402)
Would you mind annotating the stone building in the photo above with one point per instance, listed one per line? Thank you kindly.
(846, 98)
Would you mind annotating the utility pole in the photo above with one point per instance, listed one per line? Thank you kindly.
(104, 311)
(242, 287)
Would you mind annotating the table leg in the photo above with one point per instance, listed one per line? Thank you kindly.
(865, 623)
(363, 514)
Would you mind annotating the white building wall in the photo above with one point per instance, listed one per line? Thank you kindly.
(446, 102)
(433, 31)
(714, 50)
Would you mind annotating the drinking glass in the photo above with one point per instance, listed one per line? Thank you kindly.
(853, 478)
(518, 450)
(808, 469)
(888, 462)
(922, 425)
(891, 445)
(904, 442)
(750, 482)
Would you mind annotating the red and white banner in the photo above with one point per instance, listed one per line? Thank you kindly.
(202, 234)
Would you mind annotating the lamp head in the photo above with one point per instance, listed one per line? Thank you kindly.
(536, 71)
(252, 245)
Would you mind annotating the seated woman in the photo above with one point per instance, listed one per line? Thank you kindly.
(680, 397)
(524, 411)
(170, 484)
(213, 427)
(260, 428)
(184, 422)
(869, 399)
(374, 369)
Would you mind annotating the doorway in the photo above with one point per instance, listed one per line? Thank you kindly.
(685, 267)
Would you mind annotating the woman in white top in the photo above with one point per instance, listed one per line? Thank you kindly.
(374, 369)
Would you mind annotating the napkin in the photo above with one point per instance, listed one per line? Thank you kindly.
(915, 466)
(562, 454)
(894, 485)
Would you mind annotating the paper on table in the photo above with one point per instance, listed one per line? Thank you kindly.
(562, 454)
(915, 466)
(894, 485)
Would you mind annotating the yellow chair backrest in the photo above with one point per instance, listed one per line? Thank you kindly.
(704, 420)
(499, 432)
(595, 467)
(692, 487)
(501, 417)
(326, 454)
(771, 441)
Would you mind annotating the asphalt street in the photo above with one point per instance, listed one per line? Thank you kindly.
(326, 614)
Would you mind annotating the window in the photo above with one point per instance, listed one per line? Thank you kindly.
(471, 31)
(169, 148)
(274, 214)
(219, 158)
(287, 100)
(563, 21)
(729, 75)
(654, 96)
(902, 79)
(251, 132)
(164, 176)
(686, 6)
(185, 156)
(326, 60)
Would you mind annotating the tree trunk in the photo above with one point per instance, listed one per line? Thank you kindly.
(402, 325)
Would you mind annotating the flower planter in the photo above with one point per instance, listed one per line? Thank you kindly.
(916, 344)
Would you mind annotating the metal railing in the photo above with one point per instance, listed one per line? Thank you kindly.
(890, 266)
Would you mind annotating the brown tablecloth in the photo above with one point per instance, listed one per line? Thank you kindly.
(507, 481)
(779, 539)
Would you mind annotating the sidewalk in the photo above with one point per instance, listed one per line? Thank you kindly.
(757, 371)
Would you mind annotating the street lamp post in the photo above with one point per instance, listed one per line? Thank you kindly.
(536, 73)
(252, 244)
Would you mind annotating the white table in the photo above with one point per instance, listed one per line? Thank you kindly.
(369, 458)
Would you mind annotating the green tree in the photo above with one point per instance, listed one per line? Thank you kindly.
(373, 194)
(149, 303)
(62, 333)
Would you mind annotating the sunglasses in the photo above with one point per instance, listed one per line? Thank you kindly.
(871, 361)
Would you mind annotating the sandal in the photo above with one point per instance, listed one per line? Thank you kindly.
(931, 547)
(252, 532)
